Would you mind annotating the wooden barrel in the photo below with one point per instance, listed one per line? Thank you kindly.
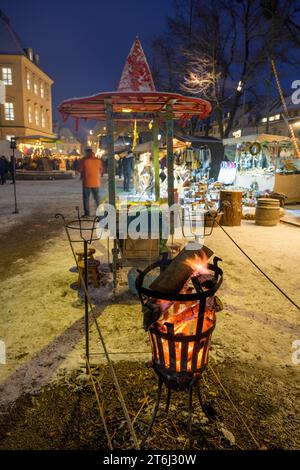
(231, 207)
(267, 212)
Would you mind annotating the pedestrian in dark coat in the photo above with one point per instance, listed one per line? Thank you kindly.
(127, 165)
(3, 169)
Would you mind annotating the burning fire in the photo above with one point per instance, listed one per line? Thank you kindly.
(198, 264)
(183, 327)
(184, 315)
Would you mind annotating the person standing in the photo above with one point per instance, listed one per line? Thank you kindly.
(3, 169)
(120, 167)
(127, 163)
(90, 169)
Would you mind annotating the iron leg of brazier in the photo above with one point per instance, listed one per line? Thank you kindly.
(190, 418)
(168, 398)
(155, 410)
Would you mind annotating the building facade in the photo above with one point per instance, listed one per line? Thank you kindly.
(256, 118)
(26, 107)
(67, 143)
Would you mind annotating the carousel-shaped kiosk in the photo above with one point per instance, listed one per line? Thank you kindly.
(136, 100)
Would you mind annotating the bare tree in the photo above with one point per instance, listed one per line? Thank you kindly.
(222, 49)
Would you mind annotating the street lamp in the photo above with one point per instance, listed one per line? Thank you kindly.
(240, 86)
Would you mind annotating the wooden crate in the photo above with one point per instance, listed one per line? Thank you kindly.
(140, 249)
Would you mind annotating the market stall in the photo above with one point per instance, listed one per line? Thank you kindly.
(262, 162)
(196, 162)
(40, 155)
(136, 100)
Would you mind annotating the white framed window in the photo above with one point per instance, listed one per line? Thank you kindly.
(7, 75)
(36, 116)
(28, 81)
(43, 118)
(276, 117)
(29, 113)
(9, 111)
(35, 86)
(42, 90)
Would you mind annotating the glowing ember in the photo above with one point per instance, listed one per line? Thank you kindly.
(198, 264)
(183, 327)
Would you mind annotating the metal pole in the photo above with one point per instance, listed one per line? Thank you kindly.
(170, 162)
(111, 177)
(13, 146)
(155, 131)
(86, 304)
(111, 154)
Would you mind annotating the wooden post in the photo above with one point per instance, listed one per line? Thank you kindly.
(155, 130)
(111, 177)
(111, 154)
(170, 162)
(170, 156)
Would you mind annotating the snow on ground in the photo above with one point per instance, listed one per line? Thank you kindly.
(41, 316)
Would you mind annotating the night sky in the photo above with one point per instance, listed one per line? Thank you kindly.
(83, 44)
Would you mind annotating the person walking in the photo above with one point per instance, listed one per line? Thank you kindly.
(90, 169)
(3, 169)
(127, 165)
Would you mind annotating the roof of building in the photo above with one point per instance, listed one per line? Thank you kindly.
(197, 140)
(66, 133)
(10, 42)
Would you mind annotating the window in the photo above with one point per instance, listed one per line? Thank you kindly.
(7, 75)
(37, 121)
(276, 117)
(28, 81)
(43, 118)
(29, 113)
(35, 86)
(47, 92)
(42, 89)
(264, 119)
(9, 111)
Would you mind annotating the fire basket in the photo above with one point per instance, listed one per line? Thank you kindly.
(180, 322)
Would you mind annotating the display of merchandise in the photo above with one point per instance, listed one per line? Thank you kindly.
(227, 172)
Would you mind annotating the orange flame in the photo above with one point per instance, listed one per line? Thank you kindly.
(198, 264)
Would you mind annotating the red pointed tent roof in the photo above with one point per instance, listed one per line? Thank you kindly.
(136, 75)
(136, 92)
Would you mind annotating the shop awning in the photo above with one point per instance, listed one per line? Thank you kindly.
(27, 139)
(256, 138)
